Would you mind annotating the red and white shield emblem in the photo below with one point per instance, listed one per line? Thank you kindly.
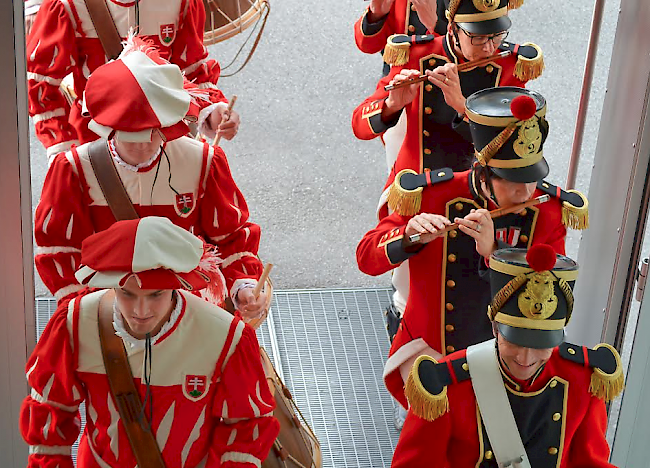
(184, 204)
(167, 33)
(195, 387)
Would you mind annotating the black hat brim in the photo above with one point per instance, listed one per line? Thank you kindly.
(484, 28)
(527, 338)
(524, 175)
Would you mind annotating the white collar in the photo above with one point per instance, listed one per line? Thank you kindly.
(126, 165)
(134, 343)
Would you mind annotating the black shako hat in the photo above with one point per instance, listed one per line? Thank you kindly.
(482, 17)
(509, 129)
(532, 295)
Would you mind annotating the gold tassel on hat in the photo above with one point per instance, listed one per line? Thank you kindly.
(514, 4)
(488, 152)
(424, 404)
(530, 68)
(576, 217)
(396, 53)
(607, 386)
(402, 201)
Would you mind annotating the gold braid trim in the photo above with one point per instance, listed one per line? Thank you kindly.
(573, 216)
(402, 201)
(424, 404)
(450, 13)
(514, 4)
(505, 293)
(528, 69)
(396, 53)
(607, 386)
(568, 295)
(488, 152)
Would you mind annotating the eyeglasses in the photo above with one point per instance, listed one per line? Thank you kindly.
(496, 39)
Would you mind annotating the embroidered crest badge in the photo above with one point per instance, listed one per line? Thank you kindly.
(195, 387)
(184, 204)
(167, 33)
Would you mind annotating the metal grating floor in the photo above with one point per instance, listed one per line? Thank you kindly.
(329, 346)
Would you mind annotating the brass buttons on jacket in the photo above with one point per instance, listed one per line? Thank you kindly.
(449, 306)
(428, 88)
(451, 257)
(451, 284)
(411, 28)
(449, 328)
(458, 206)
(553, 383)
(432, 62)
(524, 212)
(426, 134)
(523, 238)
(465, 367)
(557, 417)
(427, 151)
(453, 234)
(450, 349)
(489, 69)
(552, 451)
(428, 110)
(488, 455)
(571, 351)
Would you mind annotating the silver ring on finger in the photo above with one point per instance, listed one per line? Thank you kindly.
(446, 79)
(478, 227)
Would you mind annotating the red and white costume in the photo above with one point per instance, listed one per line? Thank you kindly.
(211, 404)
(63, 41)
(206, 201)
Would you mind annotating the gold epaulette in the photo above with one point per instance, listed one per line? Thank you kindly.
(405, 194)
(397, 47)
(424, 403)
(575, 206)
(530, 59)
(607, 379)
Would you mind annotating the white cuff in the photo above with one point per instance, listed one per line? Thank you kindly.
(238, 286)
(205, 113)
(59, 148)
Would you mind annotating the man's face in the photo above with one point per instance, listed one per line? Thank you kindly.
(521, 362)
(512, 193)
(475, 46)
(143, 310)
(136, 153)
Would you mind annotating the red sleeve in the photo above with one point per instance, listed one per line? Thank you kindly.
(380, 250)
(371, 37)
(245, 405)
(589, 447)
(62, 221)
(423, 443)
(550, 229)
(51, 53)
(366, 118)
(49, 417)
(224, 221)
(189, 53)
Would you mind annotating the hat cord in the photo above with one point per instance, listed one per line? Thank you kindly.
(148, 397)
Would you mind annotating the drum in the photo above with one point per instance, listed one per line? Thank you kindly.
(226, 18)
(296, 445)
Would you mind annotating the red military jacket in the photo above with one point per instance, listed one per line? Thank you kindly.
(560, 421)
(63, 40)
(435, 136)
(448, 298)
(401, 19)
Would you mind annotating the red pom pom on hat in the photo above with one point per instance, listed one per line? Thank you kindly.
(541, 257)
(523, 107)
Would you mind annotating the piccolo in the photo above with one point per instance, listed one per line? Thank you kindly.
(414, 238)
(461, 67)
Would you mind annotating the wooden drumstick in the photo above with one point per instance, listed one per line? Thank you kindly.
(260, 283)
(415, 238)
(461, 67)
(230, 106)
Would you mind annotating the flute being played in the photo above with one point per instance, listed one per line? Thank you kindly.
(461, 67)
(414, 238)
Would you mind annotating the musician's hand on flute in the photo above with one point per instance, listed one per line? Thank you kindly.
(426, 225)
(446, 78)
(224, 121)
(250, 307)
(378, 9)
(478, 225)
(398, 98)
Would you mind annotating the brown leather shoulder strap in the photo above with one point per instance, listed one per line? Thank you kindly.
(126, 397)
(109, 181)
(105, 27)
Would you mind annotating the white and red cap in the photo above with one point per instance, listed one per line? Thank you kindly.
(138, 93)
(159, 254)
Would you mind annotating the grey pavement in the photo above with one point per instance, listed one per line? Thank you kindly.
(309, 183)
